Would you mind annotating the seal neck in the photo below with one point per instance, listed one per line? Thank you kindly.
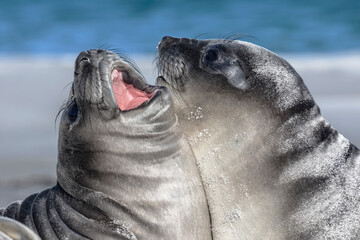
(129, 166)
(97, 153)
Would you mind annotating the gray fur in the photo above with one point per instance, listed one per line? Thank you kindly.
(272, 166)
(121, 174)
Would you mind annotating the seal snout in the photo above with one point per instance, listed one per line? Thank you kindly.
(171, 64)
(167, 42)
(104, 77)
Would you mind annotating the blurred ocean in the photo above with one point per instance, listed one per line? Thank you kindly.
(39, 41)
(69, 26)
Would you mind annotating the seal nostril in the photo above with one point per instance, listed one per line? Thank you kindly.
(169, 39)
(84, 59)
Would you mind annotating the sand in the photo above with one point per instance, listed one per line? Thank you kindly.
(34, 88)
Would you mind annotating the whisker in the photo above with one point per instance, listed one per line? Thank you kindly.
(104, 46)
(155, 51)
(118, 51)
(68, 85)
(228, 35)
(203, 34)
(156, 59)
(128, 60)
(236, 36)
(155, 64)
(62, 108)
(121, 53)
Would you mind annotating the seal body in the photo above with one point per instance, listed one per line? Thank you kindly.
(124, 169)
(271, 165)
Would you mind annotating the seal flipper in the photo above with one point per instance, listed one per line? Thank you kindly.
(93, 225)
(12, 211)
(40, 216)
(60, 228)
(25, 210)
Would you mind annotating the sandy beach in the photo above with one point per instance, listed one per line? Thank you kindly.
(34, 88)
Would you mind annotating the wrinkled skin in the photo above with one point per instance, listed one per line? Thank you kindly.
(271, 165)
(122, 174)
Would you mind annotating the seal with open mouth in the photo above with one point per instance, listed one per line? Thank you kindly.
(272, 166)
(124, 169)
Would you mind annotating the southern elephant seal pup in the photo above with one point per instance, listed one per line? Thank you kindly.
(272, 166)
(124, 169)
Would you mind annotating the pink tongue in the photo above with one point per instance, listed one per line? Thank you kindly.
(126, 95)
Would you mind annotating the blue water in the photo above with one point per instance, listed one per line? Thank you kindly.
(69, 26)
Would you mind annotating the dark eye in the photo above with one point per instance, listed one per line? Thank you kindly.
(211, 56)
(73, 111)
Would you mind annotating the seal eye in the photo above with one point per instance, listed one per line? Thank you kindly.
(73, 111)
(211, 56)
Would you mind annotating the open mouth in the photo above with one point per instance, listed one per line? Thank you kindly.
(130, 93)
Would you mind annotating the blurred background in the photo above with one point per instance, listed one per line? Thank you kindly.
(40, 39)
